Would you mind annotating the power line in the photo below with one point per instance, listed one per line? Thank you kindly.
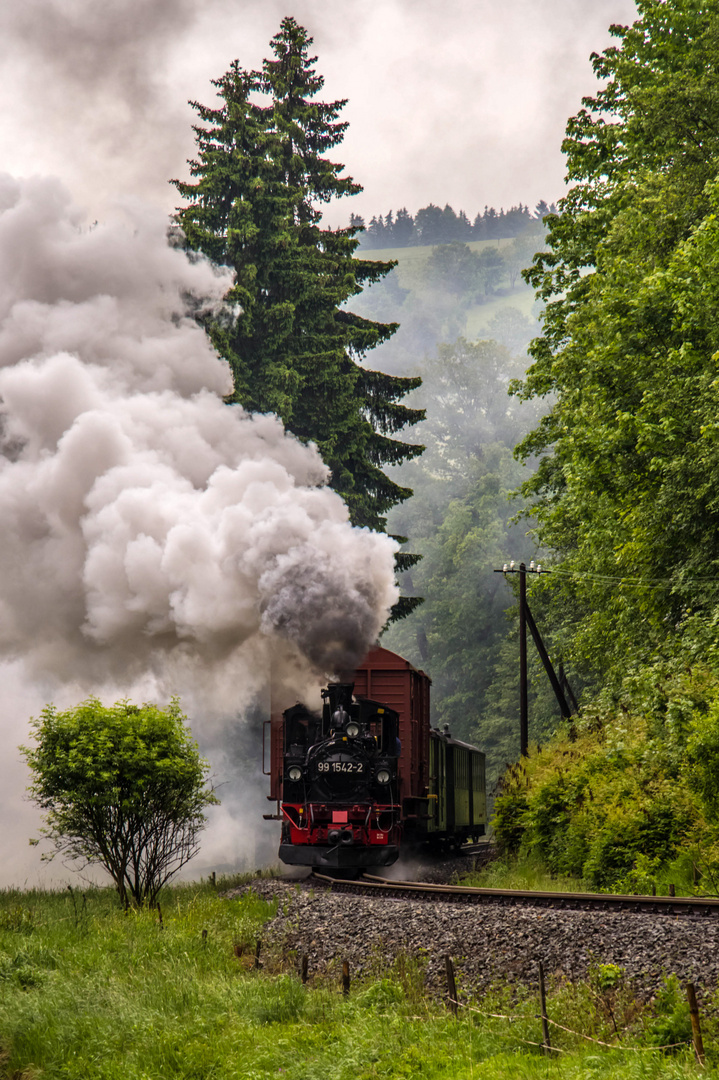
(609, 579)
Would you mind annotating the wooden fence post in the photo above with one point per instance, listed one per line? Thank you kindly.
(345, 977)
(696, 1026)
(546, 1044)
(451, 985)
(303, 969)
(258, 947)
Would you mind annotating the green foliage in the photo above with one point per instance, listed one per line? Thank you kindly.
(607, 977)
(122, 787)
(671, 1027)
(510, 819)
(625, 488)
(293, 347)
(628, 803)
(643, 876)
(703, 757)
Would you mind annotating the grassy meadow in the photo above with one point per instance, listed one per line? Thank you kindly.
(476, 317)
(87, 992)
(420, 253)
(521, 298)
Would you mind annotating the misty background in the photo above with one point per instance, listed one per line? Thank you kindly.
(464, 106)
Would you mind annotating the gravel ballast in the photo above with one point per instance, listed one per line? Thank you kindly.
(488, 943)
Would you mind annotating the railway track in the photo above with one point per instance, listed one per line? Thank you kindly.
(482, 853)
(369, 885)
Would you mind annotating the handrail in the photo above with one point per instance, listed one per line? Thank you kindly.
(266, 772)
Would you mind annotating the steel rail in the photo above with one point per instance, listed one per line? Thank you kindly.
(487, 851)
(370, 885)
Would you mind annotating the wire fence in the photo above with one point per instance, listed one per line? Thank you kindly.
(455, 1004)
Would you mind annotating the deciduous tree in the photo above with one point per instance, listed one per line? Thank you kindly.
(626, 488)
(122, 787)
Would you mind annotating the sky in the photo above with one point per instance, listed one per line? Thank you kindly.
(462, 102)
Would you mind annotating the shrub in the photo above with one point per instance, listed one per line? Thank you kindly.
(122, 787)
(672, 1026)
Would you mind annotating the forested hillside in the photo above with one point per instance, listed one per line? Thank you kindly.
(435, 225)
(461, 519)
(465, 322)
(616, 459)
(438, 294)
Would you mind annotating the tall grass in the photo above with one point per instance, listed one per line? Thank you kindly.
(528, 873)
(88, 992)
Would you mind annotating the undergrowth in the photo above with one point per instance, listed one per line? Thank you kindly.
(87, 991)
(626, 799)
(529, 873)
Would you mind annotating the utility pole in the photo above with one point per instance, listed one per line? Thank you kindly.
(562, 690)
(523, 702)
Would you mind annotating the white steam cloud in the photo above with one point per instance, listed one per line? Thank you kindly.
(151, 535)
(143, 519)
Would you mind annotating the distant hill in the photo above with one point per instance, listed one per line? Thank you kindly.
(432, 225)
(440, 292)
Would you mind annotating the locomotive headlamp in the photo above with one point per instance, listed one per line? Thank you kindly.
(294, 772)
(352, 729)
(383, 776)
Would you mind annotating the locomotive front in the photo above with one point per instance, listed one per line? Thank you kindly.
(340, 804)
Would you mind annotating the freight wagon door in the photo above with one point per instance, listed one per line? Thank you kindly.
(438, 783)
(479, 797)
(393, 687)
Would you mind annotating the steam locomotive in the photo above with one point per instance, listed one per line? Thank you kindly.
(367, 777)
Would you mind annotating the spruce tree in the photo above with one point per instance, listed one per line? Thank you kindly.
(261, 176)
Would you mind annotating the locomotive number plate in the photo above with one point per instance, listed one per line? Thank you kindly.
(340, 767)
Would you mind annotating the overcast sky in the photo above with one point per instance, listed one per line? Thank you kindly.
(463, 101)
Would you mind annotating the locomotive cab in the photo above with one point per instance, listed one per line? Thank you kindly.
(339, 802)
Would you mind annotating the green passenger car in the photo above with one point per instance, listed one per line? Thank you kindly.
(457, 803)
